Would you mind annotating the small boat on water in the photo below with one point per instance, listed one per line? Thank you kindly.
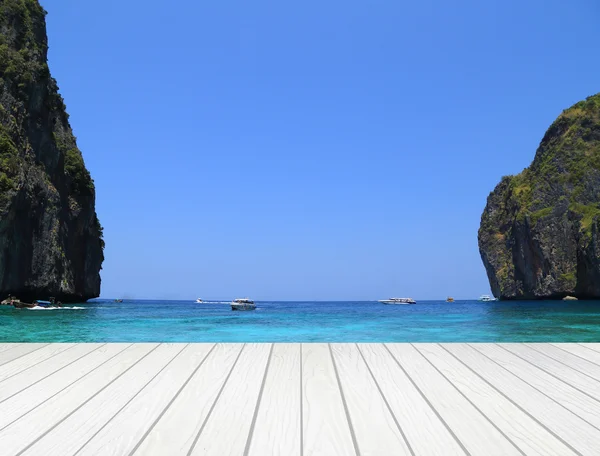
(486, 298)
(398, 301)
(243, 304)
(118, 300)
(50, 303)
(570, 298)
(199, 301)
(17, 304)
(449, 299)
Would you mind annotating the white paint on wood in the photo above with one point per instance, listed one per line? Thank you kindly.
(21, 403)
(572, 399)
(17, 351)
(278, 427)
(557, 369)
(31, 360)
(42, 419)
(583, 351)
(577, 433)
(328, 400)
(227, 428)
(25, 355)
(325, 425)
(531, 437)
(121, 435)
(468, 424)
(4, 347)
(80, 426)
(424, 431)
(379, 434)
(39, 371)
(177, 429)
(593, 346)
(561, 357)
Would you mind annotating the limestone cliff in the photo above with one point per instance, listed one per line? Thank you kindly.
(540, 235)
(50, 237)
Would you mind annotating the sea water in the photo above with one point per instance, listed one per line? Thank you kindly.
(347, 321)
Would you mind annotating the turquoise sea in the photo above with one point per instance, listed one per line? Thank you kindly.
(349, 321)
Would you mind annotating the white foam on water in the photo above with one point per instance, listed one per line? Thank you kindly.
(57, 308)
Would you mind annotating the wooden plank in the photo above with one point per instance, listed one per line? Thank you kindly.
(325, 425)
(469, 425)
(425, 432)
(278, 429)
(379, 434)
(18, 351)
(28, 361)
(39, 371)
(531, 437)
(177, 429)
(581, 350)
(563, 357)
(24, 432)
(593, 346)
(235, 406)
(125, 430)
(25, 401)
(559, 370)
(4, 347)
(78, 428)
(569, 397)
(565, 425)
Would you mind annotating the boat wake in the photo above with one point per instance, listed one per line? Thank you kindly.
(57, 308)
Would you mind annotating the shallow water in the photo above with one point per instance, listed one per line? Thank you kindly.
(186, 321)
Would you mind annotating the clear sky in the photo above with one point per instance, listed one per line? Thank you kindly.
(310, 149)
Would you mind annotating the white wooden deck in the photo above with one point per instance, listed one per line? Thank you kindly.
(299, 399)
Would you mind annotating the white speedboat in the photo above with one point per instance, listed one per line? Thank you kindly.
(199, 301)
(243, 304)
(486, 298)
(398, 301)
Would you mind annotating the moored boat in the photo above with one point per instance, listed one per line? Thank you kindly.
(398, 301)
(243, 304)
(486, 298)
(569, 298)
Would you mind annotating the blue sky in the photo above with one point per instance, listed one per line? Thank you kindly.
(309, 150)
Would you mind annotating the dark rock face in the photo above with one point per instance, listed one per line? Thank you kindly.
(540, 235)
(50, 237)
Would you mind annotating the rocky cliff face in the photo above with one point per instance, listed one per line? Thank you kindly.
(50, 237)
(540, 234)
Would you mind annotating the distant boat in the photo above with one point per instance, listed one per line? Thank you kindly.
(486, 298)
(118, 300)
(243, 304)
(449, 299)
(199, 301)
(398, 301)
(570, 298)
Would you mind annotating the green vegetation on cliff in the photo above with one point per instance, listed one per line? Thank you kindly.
(568, 154)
